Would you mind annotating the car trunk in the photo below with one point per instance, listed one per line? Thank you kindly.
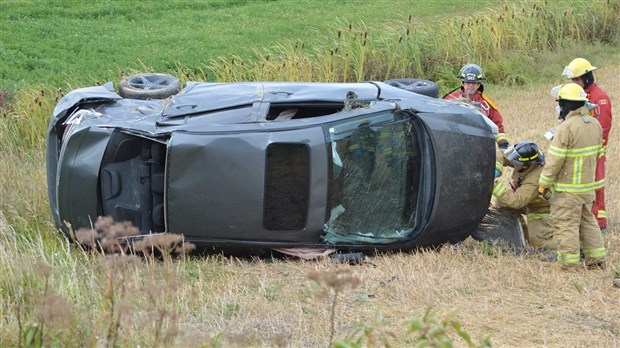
(464, 179)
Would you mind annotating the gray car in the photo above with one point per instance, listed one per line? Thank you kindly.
(356, 166)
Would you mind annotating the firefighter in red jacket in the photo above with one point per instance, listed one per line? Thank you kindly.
(472, 89)
(580, 72)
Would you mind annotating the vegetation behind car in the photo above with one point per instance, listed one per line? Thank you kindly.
(90, 42)
(86, 42)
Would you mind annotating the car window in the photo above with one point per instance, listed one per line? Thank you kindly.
(287, 186)
(375, 178)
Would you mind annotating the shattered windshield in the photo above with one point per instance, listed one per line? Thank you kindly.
(375, 179)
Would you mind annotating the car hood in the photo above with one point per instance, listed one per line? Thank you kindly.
(96, 94)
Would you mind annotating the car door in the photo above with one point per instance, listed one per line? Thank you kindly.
(264, 184)
(376, 193)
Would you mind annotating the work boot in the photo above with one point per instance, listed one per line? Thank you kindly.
(548, 257)
(571, 266)
(596, 264)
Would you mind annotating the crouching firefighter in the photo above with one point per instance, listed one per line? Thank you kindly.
(522, 193)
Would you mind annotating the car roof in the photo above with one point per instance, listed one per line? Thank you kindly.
(230, 95)
(211, 98)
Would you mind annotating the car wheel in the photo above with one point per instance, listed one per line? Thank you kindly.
(424, 87)
(149, 86)
(501, 225)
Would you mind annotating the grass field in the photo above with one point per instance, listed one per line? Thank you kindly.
(53, 294)
(79, 41)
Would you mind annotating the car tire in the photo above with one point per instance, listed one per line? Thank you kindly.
(501, 225)
(149, 86)
(424, 87)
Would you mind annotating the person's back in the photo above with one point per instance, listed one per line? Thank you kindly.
(573, 153)
(580, 71)
(570, 172)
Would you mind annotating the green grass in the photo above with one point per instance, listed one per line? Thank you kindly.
(510, 41)
(87, 41)
(68, 44)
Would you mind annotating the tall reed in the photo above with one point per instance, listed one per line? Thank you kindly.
(408, 48)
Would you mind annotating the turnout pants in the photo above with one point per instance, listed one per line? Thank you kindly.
(598, 209)
(540, 232)
(576, 229)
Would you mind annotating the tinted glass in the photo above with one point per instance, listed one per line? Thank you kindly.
(287, 186)
(375, 180)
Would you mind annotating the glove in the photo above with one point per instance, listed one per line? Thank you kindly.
(544, 192)
(503, 144)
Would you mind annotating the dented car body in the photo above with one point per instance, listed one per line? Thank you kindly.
(355, 166)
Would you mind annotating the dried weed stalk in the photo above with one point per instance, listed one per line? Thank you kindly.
(331, 285)
(120, 241)
(52, 313)
(108, 236)
(115, 293)
(166, 245)
(123, 238)
(161, 293)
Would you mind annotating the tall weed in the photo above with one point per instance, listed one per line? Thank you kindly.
(23, 127)
(500, 39)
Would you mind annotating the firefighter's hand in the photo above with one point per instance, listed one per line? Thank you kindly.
(544, 192)
(503, 144)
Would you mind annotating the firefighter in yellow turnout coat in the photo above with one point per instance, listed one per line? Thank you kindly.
(569, 172)
(522, 193)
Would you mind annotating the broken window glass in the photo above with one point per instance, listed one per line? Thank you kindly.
(375, 180)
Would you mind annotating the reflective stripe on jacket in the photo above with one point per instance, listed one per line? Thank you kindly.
(538, 216)
(571, 160)
(525, 197)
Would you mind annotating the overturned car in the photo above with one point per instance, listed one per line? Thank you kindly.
(356, 166)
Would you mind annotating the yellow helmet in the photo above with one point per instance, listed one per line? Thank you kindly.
(570, 91)
(577, 67)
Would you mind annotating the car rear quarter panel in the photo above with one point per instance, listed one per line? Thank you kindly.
(464, 153)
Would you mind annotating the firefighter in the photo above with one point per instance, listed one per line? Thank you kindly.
(522, 193)
(569, 173)
(472, 89)
(580, 72)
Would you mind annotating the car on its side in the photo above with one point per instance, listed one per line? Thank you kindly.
(240, 166)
